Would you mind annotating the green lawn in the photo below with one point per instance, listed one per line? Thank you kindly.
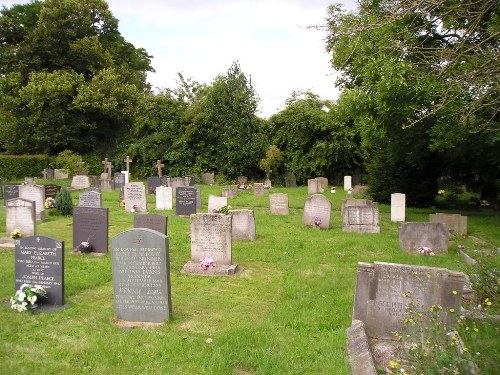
(285, 313)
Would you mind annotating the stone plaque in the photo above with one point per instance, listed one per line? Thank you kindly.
(354, 202)
(20, 214)
(243, 225)
(135, 197)
(317, 205)
(398, 207)
(153, 183)
(61, 174)
(91, 225)
(208, 178)
(433, 235)
(119, 180)
(290, 179)
(141, 276)
(11, 192)
(314, 186)
(177, 182)
(80, 182)
(456, 223)
(34, 193)
(278, 204)
(215, 203)
(363, 219)
(151, 221)
(185, 201)
(163, 198)
(40, 261)
(90, 199)
(51, 191)
(229, 193)
(359, 189)
(347, 183)
(258, 189)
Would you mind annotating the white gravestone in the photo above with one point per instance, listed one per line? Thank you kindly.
(20, 214)
(317, 206)
(347, 183)
(163, 198)
(34, 193)
(215, 203)
(398, 207)
(135, 197)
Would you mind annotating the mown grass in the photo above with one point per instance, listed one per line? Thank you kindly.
(286, 313)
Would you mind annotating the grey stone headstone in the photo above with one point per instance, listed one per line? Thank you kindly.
(80, 182)
(165, 181)
(314, 186)
(278, 204)
(61, 174)
(40, 261)
(151, 221)
(185, 201)
(358, 350)
(354, 202)
(364, 219)
(141, 276)
(164, 198)
(190, 180)
(198, 197)
(34, 193)
(317, 205)
(90, 199)
(433, 235)
(177, 182)
(243, 225)
(347, 183)
(91, 225)
(229, 193)
(51, 191)
(290, 179)
(359, 189)
(135, 196)
(11, 192)
(119, 180)
(153, 183)
(215, 203)
(208, 178)
(20, 214)
(323, 182)
(457, 224)
(258, 189)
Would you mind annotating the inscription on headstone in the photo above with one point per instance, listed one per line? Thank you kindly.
(278, 204)
(135, 197)
(91, 225)
(361, 218)
(90, 199)
(151, 221)
(185, 201)
(11, 192)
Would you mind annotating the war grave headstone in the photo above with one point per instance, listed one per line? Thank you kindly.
(363, 219)
(313, 186)
(457, 224)
(323, 182)
(61, 174)
(316, 207)
(415, 235)
(51, 190)
(347, 183)
(185, 201)
(177, 182)
(90, 199)
(290, 179)
(359, 189)
(164, 198)
(10, 192)
(34, 193)
(243, 225)
(215, 203)
(151, 221)
(353, 202)
(91, 225)
(258, 189)
(153, 183)
(211, 244)
(278, 204)
(80, 182)
(208, 178)
(141, 276)
(398, 207)
(20, 214)
(135, 197)
(229, 193)
(48, 173)
(119, 180)
(40, 260)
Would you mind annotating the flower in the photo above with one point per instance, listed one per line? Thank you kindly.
(426, 251)
(223, 210)
(454, 292)
(316, 221)
(207, 263)
(122, 203)
(50, 203)
(16, 233)
(25, 296)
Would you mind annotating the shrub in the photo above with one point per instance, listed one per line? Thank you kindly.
(68, 160)
(64, 203)
(12, 166)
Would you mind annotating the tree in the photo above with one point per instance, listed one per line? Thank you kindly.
(273, 160)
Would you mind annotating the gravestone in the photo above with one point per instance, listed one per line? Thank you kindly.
(80, 182)
(94, 182)
(119, 180)
(317, 205)
(40, 261)
(211, 239)
(135, 197)
(323, 182)
(243, 225)
(242, 180)
(229, 193)
(163, 198)
(177, 182)
(91, 225)
(313, 186)
(185, 201)
(10, 192)
(34, 193)
(359, 189)
(126, 176)
(258, 189)
(141, 276)
(433, 235)
(353, 202)
(61, 174)
(106, 184)
(190, 180)
(347, 183)
(278, 204)
(268, 184)
(159, 166)
(164, 181)
(90, 199)
(457, 224)
(153, 183)
(20, 214)
(363, 219)
(198, 197)
(28, 180)
(48, 173)
(290, 179)
(358, 350)
(151, 221)
(398, 207)
(51, 190)
(208, 178)
(127, 161)
(215, 203)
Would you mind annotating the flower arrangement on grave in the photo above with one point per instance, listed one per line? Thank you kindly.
(26, 297)
(223, 210)
(241, 185)
(425, 251)
(50, 203)
(207, 263)
(84, 247)
(267, 186)
(316, 221)
(122, 203)
(134, 208)
(16, 233)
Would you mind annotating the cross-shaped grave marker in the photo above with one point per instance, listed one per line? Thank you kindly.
(159, 165)
(128, 161)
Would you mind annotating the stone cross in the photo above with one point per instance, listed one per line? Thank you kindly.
(159, 165)
(45, 174)
(128, 161)
(105, 163)
(109, 167)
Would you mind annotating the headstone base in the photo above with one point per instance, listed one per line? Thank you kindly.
(7, 243)
(361, 228)
(194, 268)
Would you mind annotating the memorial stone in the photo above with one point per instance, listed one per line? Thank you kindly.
(119, 180)
(208, 178)
(359, 189)
(126, 175)
(135, 197)
(190, 180)
(28, 180)
(290, 179)
(51, 190)
(198, 197)
(457, 224)
(61, 174)
(90, 199)
(358, 350)
(34, 193)
(398, 207)
(258, 189)
(177, 182)
(313, 186)
(91, 225)
(347, 183)
(215, 203)
(323, 182)
(80, 182)
(153, 183)
(353, 202)
(11, 192)
(243, 225)
(151, 221)
(415, 235)
(20, 214)
(185, 201)
(364, 219)
(48, 173)
(165, 181)
(229, 193)
(319, 206)
(278, 204)
(163, 198)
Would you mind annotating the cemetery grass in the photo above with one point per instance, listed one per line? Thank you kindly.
(286, 312)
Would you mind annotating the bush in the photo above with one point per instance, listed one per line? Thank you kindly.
(68, 160)
(64, 203)
(12, 166)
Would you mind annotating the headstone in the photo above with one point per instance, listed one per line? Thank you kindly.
(243, 225)
(347, 183)
(81, 170)
(457, 224)
(242, 180)
(91, 225)
(164, 198)
(319, 206)
(119, 180)
(80, 182)
(415, 235)
(358, 350)
(198, 196)
(94, 182)
(185, 201)
(290, 179)
(90, 199)
(398, 207)
(268, 184)
(278, 204)
(359, 189)
(48, 173)
(190, 180)
(353, 202)
(229, 193)
(51, 190)
(208, 178)
(153, 183)
(20, 214)
(165, 181)
(313, 186)
(141, 276)
(211, 239)
(151, 221)
(215, 203)
(159, 166)
(364, 219)
(28, 180)
(258, 189)
(40, 261)
(34, 193)
(323, 181)
(61, 174)
(177, 182)
(10, 192)
(135, 197)
(106, 183)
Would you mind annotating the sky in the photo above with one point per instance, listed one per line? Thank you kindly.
(202, 38)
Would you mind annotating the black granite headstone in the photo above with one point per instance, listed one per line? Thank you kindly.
(51, 191)
(10, 192)
(153, 183)
(119, 180)
(141, 276)
(91, 225)
(151, 221)
(185, 201)
(40, 261)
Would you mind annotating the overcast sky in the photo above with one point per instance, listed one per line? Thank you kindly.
(201, 39)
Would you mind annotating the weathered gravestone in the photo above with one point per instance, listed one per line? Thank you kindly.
(141, 276)
(359, 189)
(61, 174)
(153, 183)
(40, 261)
(20, 214)
(456, 223)
(11, 192)
(353, 202)
(415, 235)
(34, 193)
(151, 221)
(80, 182)
(243, 225)
(164, 181)
(29, 180)
(106, 183)
(94, 182)
(290, 179)
(48, 173)
(119, 180)
(177, 182)
(215, 203)
(358, 350)
(164, 198)
(313, 186)
(364, 219)
(51, 190)
(347, 183)
(323, 182)
(198, 197)
(91, 225)
(190, 180)
(90, 199)
(398, 207)
(317, 206)
(135, 197)
(208, 178)
(185, 201)
(229, 193)
(258, 189)
(278, 204)
(211, 240)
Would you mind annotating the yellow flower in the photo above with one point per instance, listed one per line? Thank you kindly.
(393, 364)
(404, 295)
(452, 310)
(440, 307)
(454, 292)
(476, 330)
(489, 303)
(428, 275)
(486, 300)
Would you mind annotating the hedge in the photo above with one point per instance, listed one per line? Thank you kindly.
(20, 166)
